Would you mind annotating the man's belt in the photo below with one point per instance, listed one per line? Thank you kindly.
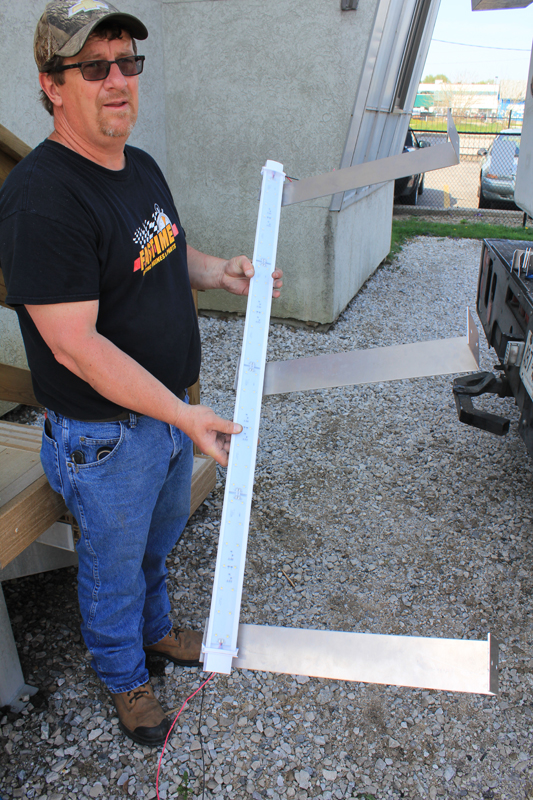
(124, 415)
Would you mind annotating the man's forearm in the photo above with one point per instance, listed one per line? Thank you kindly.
(121, 379)
(210, 272)
(205, 272)
(69, 330)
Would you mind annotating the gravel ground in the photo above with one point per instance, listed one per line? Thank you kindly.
(388, 516)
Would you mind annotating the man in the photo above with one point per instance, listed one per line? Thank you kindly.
(98, 270)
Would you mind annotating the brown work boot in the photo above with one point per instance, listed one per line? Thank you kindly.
(181, 647)
(141, 717)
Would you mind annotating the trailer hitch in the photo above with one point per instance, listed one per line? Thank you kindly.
(468, 386)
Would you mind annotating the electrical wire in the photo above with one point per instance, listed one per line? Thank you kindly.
(201, 737)
(484, 46)
(171, 728)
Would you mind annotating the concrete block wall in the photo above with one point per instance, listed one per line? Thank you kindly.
(20, 109)
(228, 84)
(248, 81)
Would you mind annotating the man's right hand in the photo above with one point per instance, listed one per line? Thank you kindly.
(211, 433)
(69, 330)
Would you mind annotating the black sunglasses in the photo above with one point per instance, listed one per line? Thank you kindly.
(99, 70)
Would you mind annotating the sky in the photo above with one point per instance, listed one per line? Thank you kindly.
(456, 22)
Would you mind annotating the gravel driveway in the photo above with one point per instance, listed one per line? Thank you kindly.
(388, 516)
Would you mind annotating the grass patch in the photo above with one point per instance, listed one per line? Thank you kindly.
(184, 789)
(403, 230)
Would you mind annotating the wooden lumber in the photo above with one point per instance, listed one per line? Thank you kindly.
(204, 478)
(194, 394)
(30, 506)
(12, 145)
(24, 518)
(16, 385)
(194, 390)
(12, 150)
(18, 469)
(21, 437)
(6, 165)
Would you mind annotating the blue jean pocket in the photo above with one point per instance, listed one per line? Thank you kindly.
(90, 446)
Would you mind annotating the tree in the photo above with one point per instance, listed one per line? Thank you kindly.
(435, 78)
(461, 98)
(514, 91)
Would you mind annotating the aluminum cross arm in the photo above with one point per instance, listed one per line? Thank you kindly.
(450, 665)
(384, 169)
(379, 364)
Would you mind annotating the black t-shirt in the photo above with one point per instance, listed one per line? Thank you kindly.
(71, 230)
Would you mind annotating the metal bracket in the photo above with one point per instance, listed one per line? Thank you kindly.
(379, 171)
(52, 550)
(513, 354)
(13, 689)
(469, 386)
(522, 263)
(453, 665)
(416, 360)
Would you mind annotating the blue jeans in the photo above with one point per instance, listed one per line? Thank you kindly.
(130, 495)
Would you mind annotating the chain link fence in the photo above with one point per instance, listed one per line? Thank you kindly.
(482, 185)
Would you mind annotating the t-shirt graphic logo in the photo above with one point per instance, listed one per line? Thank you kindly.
(156, 238)
(86, 5)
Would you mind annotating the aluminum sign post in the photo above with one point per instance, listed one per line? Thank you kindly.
(445, 664)
(220, 644)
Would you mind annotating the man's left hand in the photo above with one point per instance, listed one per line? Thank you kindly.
(238, 271)
(233, 275)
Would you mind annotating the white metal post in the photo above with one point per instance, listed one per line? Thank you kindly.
(220, 646)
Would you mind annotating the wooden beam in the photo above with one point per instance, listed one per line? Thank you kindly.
(32, 510)
(204, 478)
(6, 165)
(194, 390)
(24, 518)
(16, 386)
(12, 145)
(18, 469)
(194, 394)
(21, 437)
(12, 150)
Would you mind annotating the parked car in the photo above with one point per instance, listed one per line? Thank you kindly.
(407, 190)
(498, 169)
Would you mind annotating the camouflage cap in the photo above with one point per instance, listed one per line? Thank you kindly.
(66, 25)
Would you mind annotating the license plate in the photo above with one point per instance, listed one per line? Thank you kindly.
(526, 368)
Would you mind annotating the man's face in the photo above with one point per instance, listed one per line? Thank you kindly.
(98, 110)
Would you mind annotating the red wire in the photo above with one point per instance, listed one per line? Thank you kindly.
(171, 727)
